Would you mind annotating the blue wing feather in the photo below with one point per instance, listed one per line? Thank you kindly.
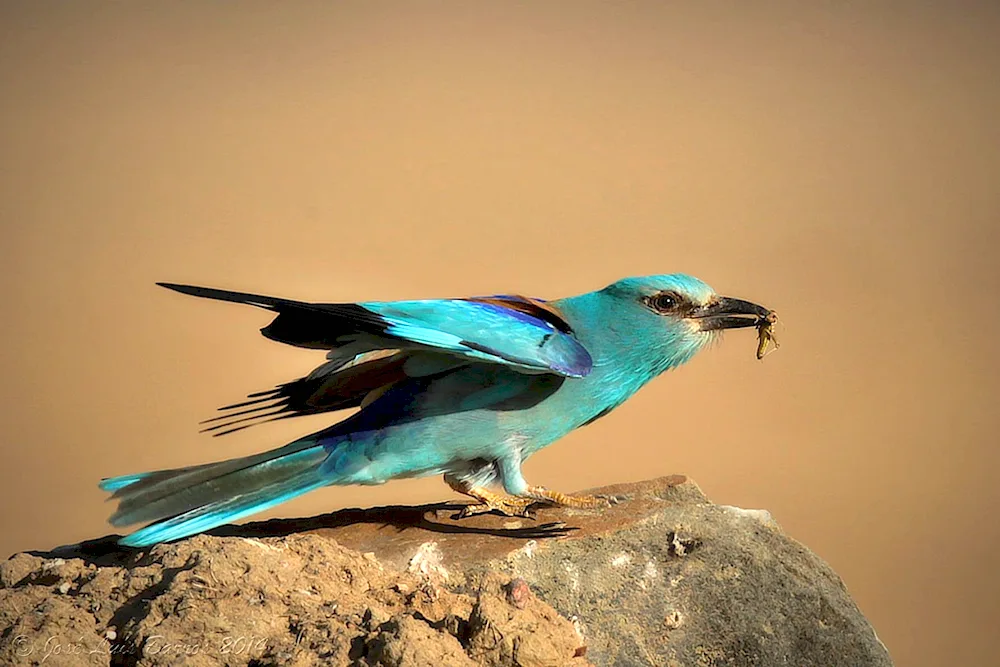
(486, 331)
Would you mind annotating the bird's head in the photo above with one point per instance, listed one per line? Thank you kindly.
(669, 318)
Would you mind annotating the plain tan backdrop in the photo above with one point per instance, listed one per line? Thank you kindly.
(837, 164)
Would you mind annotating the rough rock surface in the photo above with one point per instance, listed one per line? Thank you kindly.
(663, 578)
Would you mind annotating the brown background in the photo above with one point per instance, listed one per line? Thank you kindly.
(836, 164)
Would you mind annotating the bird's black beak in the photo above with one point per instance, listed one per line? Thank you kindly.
(724, 312)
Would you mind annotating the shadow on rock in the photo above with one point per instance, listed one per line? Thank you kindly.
(105, 551)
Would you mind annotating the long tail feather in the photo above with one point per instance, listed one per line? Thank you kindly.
(185, 501)
(209, 516)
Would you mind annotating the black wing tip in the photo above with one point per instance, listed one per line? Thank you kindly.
(261, 301)
(192, 290)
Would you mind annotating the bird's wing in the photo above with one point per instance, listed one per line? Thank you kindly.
(327, 389)
(526, 334)
(375, 345)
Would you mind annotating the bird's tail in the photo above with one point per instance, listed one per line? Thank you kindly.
(185, 501)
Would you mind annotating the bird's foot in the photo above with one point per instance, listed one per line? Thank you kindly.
(500, 502)
(577, 502)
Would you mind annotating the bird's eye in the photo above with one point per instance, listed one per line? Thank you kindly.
(664, 302)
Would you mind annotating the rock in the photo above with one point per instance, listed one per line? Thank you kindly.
(510, 626)
(407, 642)
(664, 578)
(299, 600)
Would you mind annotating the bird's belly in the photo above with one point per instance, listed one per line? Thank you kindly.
(459, 443)
(462, 440)
(418, 448)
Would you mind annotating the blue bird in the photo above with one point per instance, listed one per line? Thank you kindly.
(468, 388)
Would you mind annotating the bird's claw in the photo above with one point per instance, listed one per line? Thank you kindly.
(506, 505)
(542, 494)
(521, 506)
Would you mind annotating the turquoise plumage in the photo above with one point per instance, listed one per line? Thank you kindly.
(466, 388)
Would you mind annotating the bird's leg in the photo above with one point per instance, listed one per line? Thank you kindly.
(515, 484)
(556, 498)
(489, 500)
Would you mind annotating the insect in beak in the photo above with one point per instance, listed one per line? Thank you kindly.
(765, 335)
